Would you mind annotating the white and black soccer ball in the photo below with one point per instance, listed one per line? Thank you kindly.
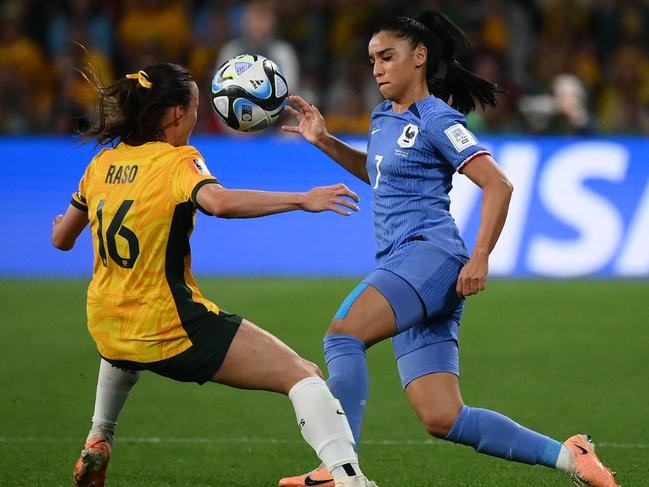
(249, 92)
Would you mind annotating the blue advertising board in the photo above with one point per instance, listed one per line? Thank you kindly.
(580, 208)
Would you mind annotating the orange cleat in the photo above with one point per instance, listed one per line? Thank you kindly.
(320, 477)
(590, 471)
(90, 469)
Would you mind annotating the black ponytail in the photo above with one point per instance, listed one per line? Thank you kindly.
(447, 79)
(131, 109)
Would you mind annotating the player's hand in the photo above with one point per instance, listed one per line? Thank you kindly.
(311, 123)
(473, 277)
(330, 198)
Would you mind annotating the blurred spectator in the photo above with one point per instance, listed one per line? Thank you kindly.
(258, 37)
(24, 74)
(624, 103)
(211, 30)
(152, 31)
(562, 112)
(351, 96)
(74, 106)
(81, 15)
(321, 47)
(571, 114)
(504, 117)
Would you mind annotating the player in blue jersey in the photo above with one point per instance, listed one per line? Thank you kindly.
(424, 272)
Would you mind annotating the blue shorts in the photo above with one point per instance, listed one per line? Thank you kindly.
(427, 341)
(430, 270)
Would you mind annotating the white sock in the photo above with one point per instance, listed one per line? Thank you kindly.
(324, 426)
(113, 387)
(566, 460)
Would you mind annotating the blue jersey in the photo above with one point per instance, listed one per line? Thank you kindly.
(411, 159)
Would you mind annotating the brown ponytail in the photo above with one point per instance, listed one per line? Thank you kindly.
(447, 79)
(132, 108)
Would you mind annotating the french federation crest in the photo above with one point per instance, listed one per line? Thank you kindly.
(408, 136)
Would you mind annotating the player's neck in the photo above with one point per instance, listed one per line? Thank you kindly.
(410, 97)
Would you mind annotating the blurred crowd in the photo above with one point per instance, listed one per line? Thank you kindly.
(563, 66)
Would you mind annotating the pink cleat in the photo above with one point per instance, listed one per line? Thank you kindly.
(90, 469)
(590, 471)
(320, 477)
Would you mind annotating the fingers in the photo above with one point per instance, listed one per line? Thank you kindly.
(304, 107)
(458, 289)
(345, 191)
(346, 204)
(299, 101)
(467, 286)
(333, 198)
(294, 112)
(342, 190)
(294, 129)
(340, 211)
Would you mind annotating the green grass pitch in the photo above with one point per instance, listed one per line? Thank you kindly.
(559, 357)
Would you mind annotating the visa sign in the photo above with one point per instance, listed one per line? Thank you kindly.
(579, 208)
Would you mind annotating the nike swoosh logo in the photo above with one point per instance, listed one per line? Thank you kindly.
(375, 131)
(338, 411)
(583, 450)
(309, 481)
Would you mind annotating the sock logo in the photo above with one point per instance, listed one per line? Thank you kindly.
(338, 411)
(302, 424)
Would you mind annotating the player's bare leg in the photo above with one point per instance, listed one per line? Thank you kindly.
(258, 360)
(437, 400)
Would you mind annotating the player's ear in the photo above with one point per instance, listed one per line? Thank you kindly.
(179, 111)
(421, 55)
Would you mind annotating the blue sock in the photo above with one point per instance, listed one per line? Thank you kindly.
(345, 357)
(497, 435)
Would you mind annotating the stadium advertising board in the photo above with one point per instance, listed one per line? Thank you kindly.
(580, 209)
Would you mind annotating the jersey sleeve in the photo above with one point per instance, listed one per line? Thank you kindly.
(453, 141)
(192, 174)
(79, 200)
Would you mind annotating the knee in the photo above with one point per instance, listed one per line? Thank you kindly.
(312, 369)
(302, 369)
(345, 327)
(338, 327)
(438, 423)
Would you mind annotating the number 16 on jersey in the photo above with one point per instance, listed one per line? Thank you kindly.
(116, 228)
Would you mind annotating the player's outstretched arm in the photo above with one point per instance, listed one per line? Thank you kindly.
(496, 194)
(312, 126)
(244, 203)
(66, 228)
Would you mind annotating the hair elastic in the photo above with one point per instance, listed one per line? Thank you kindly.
(141, 78)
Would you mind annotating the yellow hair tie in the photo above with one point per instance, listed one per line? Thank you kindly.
(141, 78)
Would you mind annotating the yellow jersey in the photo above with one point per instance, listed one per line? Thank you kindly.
(141, 201)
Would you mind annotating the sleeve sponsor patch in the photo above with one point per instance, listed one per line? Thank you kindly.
(460, 137)
(201, 167)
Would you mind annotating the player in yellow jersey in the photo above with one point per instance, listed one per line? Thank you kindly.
(145, 311)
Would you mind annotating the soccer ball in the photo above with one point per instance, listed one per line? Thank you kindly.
(249, 92)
